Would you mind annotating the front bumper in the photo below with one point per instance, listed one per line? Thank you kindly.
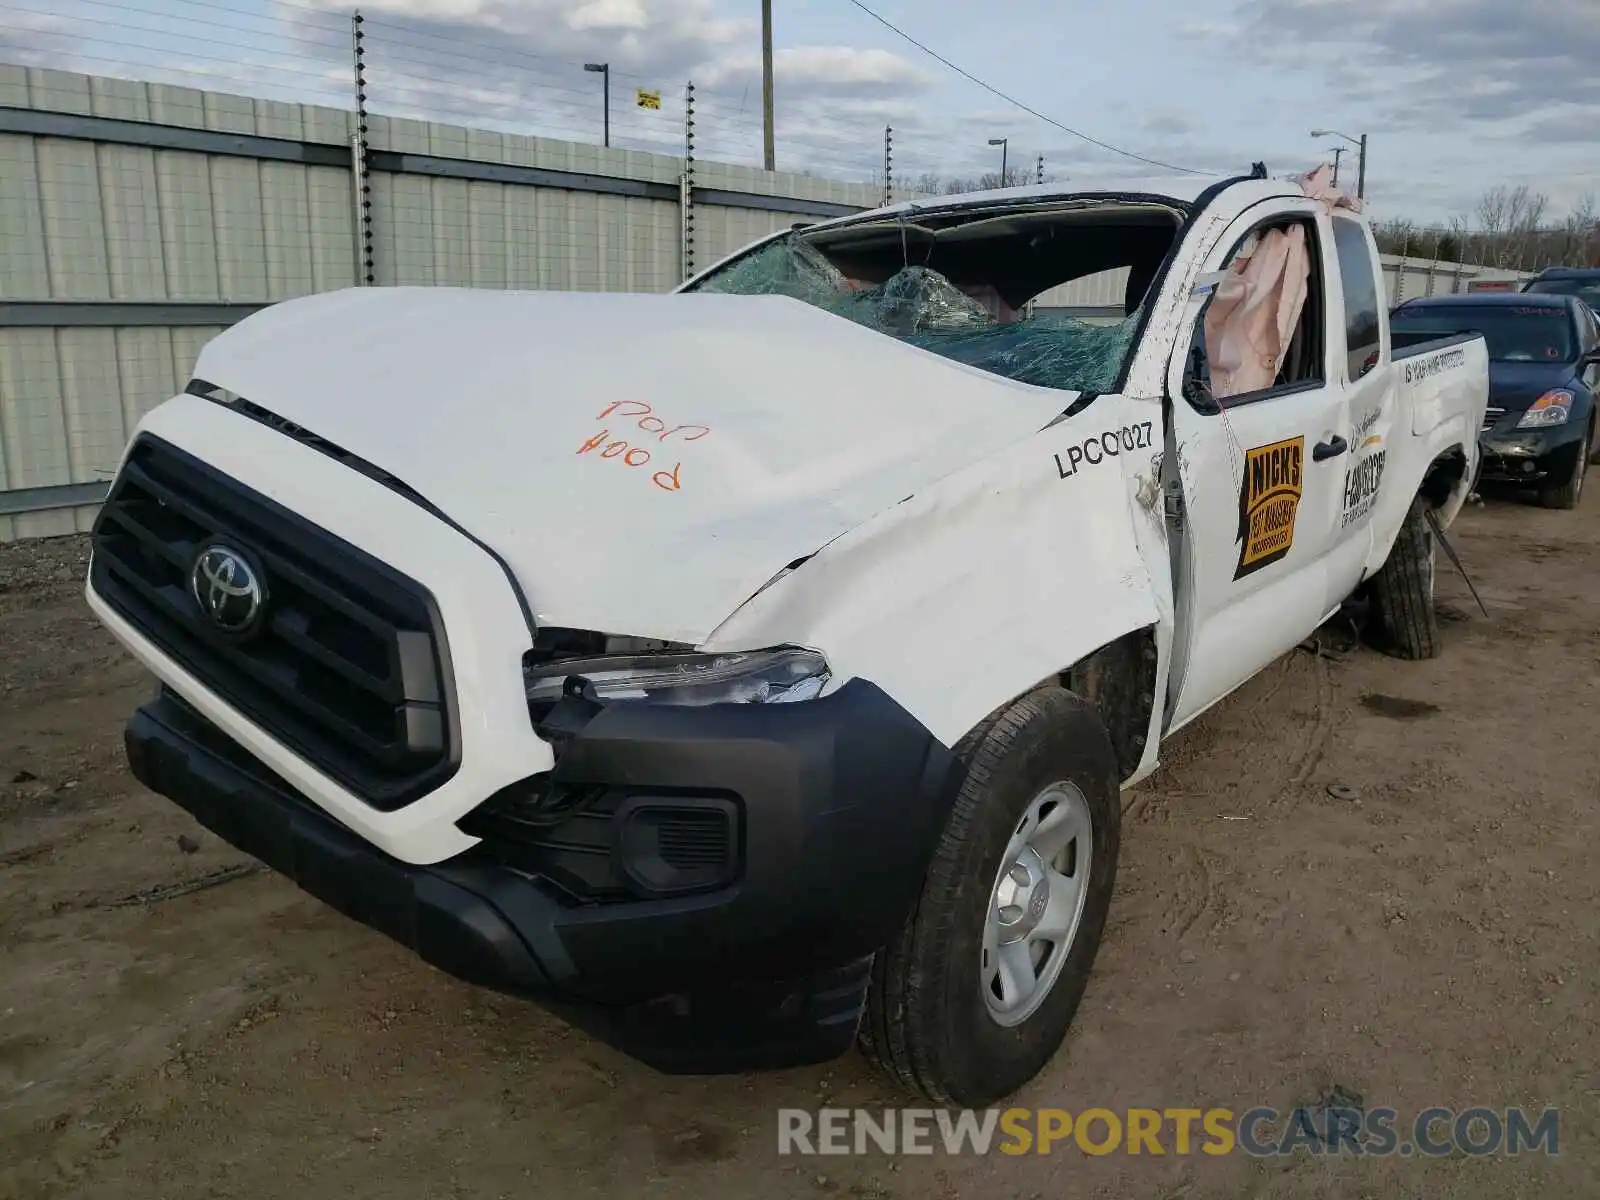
(840, 801)
(1531, 456)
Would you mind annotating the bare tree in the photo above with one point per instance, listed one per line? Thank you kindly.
(1396, 236)
(1584, 222)
(1512, 221)
(1015, 177)
(1454, 241)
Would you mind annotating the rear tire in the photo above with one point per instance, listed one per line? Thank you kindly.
(1403, 623)
(1566, 495)
(950, 1013)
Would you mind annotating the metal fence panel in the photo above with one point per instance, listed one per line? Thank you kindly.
(138, 219)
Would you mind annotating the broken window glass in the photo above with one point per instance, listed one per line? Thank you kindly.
(922, 308)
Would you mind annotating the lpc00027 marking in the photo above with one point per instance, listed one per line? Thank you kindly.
(1096, 448)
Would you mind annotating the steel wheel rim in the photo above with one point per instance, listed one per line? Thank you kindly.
(1036, 903)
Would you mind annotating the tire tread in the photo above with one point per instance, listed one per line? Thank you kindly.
(1407, 625)
(906, 1019)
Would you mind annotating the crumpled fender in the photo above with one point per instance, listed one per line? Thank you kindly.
(1002, 575)
(1411, 458)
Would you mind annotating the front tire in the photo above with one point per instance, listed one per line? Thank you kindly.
(1567, 494)
(975, 995)
(1403, 621)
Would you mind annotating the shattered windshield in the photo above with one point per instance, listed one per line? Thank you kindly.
(972, 324)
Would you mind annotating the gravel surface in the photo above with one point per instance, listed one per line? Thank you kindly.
(1355, 877)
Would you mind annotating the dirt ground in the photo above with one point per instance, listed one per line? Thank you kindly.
(175, 1023)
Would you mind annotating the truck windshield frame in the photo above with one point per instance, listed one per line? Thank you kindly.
(972, 284)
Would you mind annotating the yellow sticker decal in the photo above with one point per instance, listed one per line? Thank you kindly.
(1269, 498)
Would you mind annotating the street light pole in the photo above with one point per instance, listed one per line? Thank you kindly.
(604, 71)
(1001, 142)
(769, 150)
(1361, 163)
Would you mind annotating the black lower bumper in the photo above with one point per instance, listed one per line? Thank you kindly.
(1532, 456)
(841, 800)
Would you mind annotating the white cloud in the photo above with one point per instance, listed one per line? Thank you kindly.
(609, 15)
(821, 68)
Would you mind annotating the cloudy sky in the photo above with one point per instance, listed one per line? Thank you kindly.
(1456, 95)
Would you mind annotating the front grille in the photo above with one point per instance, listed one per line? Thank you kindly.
(1491, 417)
(561, 833)
(348, 666)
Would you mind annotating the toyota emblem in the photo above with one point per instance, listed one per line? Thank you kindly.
(227, 589)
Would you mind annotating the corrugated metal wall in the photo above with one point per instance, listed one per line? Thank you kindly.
(89, 215)
(93, 221)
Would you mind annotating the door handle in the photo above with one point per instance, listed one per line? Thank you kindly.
(1331, 449)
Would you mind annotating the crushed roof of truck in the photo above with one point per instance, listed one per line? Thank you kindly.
(1184, 189)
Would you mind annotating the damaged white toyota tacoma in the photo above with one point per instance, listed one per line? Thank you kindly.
(750, 671)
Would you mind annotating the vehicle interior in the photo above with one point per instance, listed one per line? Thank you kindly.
(1017, 253)
(967, 283)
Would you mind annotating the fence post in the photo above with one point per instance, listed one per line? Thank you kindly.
(1405, 267)
(888, 165)
(686, 187)
(360, 185)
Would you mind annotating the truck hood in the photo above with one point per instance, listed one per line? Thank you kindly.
(643, 463)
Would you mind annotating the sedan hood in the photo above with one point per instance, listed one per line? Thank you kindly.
(643, 463)
(1513, 386)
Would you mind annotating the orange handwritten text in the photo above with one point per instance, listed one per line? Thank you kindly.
(644, 420)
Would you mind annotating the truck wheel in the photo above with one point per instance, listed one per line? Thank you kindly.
(1566, 495)
(975, 995)
(1403, 621)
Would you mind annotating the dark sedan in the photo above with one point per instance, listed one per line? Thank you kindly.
(1544, 374)
(1582, 282)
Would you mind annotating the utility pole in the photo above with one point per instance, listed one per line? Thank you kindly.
(769, 151)
(1361, 171)
(1337, 152)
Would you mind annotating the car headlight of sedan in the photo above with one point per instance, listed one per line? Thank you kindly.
(777, 676)
(1552, 408)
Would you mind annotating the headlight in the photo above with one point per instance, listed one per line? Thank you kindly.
(1549, 409)
(748, 677)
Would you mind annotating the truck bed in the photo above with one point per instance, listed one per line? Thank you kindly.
(1409, 345)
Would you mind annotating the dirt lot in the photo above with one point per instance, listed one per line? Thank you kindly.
(174, 1023)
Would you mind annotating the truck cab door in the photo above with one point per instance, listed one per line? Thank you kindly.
(1365, 361)
(1255, 480)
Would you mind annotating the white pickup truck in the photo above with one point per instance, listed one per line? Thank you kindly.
(742, 676)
